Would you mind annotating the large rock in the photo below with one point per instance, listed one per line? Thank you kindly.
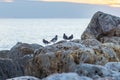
(9, 69)
(114, 66)
(4, 54)
(22, 49)
(102, 25)
(24, 78)
(60, 46)
(44, 65)
(97, 71)
(93, 71)
(66, 76)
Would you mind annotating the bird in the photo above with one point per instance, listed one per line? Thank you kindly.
(65, 36)
(45, 42)
(54, 39)
(70, 37)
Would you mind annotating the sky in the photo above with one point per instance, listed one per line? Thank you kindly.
(113, 3)
(57, 8)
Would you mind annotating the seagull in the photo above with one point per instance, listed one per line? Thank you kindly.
(65, 36)
(54, 39)
(70, 37)
(45, 41)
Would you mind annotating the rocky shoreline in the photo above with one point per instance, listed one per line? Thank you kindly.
(95, 56)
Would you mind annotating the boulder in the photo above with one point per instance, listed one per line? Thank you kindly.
(114, 66)
(106, 78)
(22, 49)
(60, 46)
(102, 25)
(66, 76)
(24, 78)
(115, 40)
(44, 65)
(4, 54)
(115, 47)
(9, 69)
(93, 71)
(92, 43)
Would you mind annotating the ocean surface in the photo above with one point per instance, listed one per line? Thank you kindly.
(34, 30)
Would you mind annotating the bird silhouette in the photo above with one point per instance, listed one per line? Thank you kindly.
(70, 37)
(54, 39)
(45, 42)
(65, 36)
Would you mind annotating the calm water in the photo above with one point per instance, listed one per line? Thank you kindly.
(34, 30)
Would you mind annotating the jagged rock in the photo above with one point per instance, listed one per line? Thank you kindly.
(43, 65)
(22, 49)
(66, 76)
(60, 46)
(4, 54)
(102, 25)
(77, 40)
(106, 78)
(93, 71)
(9, 69)
(97, 71)
(115, 47)
(24, 78)
(86, 55)
(114, 66)
(91, 43)
(115, 40)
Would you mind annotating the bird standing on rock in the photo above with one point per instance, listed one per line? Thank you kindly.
(45, 42)
(66, 37)
(54, 39)
(70, 37)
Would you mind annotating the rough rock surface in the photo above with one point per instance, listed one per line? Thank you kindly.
(9, 69)
(66, 76)
(24, 78)
(102, 25)
(4, 54)
(22, 49)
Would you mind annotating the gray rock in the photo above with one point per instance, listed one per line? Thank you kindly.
(22, 49)
(102, 25)
(66, 76)
(114, 66)
(4, 54)
(63, 45)
(24, 78)
(9, 69)
(93, 71)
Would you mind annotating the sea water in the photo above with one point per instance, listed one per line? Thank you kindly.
(34, 30)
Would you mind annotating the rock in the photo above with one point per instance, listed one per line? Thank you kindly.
(4, 54)
(60, 46)
(43, 65)
(22, 49)
(77, 40)
(106, 78)
(102, 25)
(86, 55)
(115, 47)
(93, 71)
(9, 69)
(24, 78)
(66, 76)
(114, 66)
(92, 43)
(115, 40)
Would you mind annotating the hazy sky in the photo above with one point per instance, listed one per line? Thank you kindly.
(57, 8)
(114, 3)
